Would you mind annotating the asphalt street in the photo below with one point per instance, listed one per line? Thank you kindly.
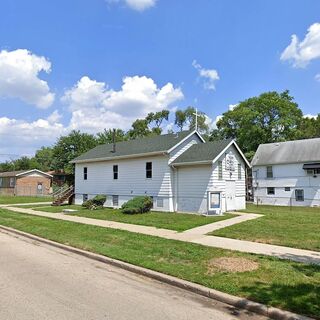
(38, 281)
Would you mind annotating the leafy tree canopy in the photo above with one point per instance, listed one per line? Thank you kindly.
(270, 117)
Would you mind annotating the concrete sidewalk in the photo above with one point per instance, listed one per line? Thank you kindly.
(299, 255)
(222, 224)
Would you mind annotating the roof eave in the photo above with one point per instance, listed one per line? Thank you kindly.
(191, 163)
(138, 155)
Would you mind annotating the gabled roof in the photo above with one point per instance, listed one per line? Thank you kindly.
(134, 148)
(203, 152)
(19, 173)
(307, 150)
(206, 153)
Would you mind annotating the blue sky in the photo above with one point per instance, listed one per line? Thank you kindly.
(63, 63)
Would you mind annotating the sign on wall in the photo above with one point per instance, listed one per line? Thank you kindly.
(230, 162)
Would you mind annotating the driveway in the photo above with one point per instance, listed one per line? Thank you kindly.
(41, 282)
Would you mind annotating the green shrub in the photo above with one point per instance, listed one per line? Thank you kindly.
(137, 205)
(96, 203)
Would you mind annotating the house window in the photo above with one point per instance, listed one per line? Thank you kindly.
(270, 191)
(85, 173)
(239, 171)
(269, 172)
(115, 201)
(148, 170)
(214, 200)
(160, 202)
(11, 183)
(299, 194)
(287, 188)
(115, 172)
(85, 197)
(220, 170)
(309, 171)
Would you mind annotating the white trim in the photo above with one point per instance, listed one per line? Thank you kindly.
(139, 155)
(232, 142)
(191, 163)
(184, 139)
(33, 170)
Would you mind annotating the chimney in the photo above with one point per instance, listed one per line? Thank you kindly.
(114, 141)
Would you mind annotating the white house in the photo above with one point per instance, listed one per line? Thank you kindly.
(181, 172)
(287, 173)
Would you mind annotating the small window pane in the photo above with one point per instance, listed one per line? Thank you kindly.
(270, 190)
(84, 197)
(220, 170)
(269, 172)
(85, 173)
(160, 202)
(115, 172)
(299, 194)
(149, 170)
(287, 189)
(115, 201)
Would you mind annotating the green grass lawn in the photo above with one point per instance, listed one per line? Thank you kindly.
(297, 227)
(21, 199)
(166, 220)
(280, 283)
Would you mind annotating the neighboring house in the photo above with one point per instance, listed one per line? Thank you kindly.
(25, 183)
(59, 178)
(181, 172)
(287, 173)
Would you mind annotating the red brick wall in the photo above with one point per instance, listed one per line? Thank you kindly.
(28, 185)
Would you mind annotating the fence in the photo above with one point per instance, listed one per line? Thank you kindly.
(286, 201)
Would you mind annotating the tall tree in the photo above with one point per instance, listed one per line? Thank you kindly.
(107, 136)
(202, 125)
(180, 119)
(310, 127)
(269, 117)
(44, 159)
(139, 129)
(157, 118)
(71, 146)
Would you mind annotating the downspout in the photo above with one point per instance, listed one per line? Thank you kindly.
(175, 191)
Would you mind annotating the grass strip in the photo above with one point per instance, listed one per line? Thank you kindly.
(288, 285)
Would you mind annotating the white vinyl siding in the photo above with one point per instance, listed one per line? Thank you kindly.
(286, 179)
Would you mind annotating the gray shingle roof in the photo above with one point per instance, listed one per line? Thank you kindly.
(161, 143)
(307, 150)
(12, 173)
(202, 152)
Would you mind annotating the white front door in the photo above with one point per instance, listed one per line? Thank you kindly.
(230, 195)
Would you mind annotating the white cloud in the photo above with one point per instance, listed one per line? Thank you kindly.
(232, 106)
(210, 75)
(310, 116)
(317, 77)
(94, 106)
(19, 77)
(300, 53)
(137, 5)
(22, 137)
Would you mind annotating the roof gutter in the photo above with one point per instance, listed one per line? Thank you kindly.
(139, 155)
(191, 163)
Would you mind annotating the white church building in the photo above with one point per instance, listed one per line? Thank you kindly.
(180, 171)
(287, 173)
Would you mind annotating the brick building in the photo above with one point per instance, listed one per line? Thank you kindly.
(25, 183)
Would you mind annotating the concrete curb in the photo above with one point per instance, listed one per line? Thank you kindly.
(242, 303)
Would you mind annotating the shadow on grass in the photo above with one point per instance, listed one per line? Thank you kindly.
(303, 299)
